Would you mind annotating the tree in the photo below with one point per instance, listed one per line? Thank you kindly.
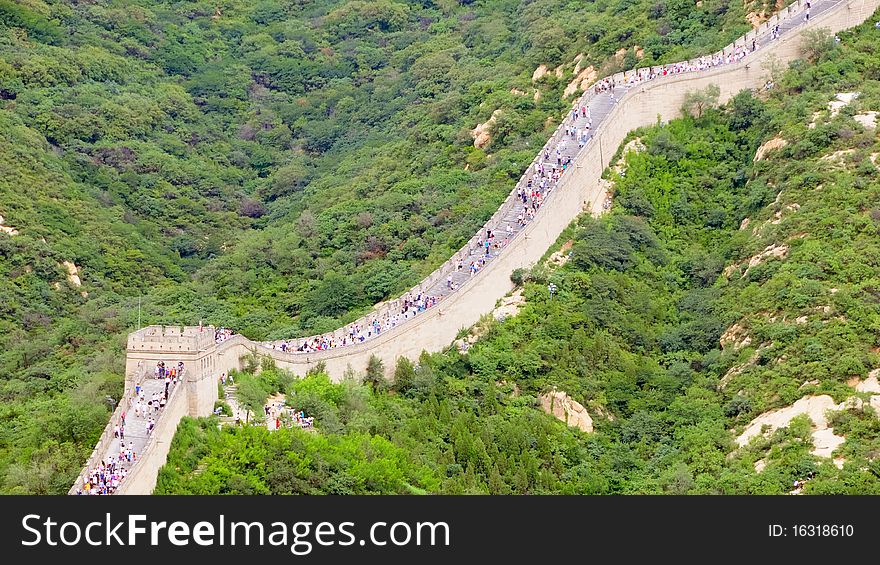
(745, 110)
(599, 246)
(404, 375)
(698, 102)
(817, 44)
(332, 296)
(375, 375)
(636, 202)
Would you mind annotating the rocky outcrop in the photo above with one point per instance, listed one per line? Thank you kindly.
(509, 306)
(561, 257)
(6, 229)
(577, 63)
(813, 406)
(581, 81)
(735, 336)
(564, 408)
(482, 133)
(738, 369)
(778, 251)
(539, 72)
(842, 100)
(756, 18)
(72, 273)
(777, 217)
(817, 408)
(867, 120)
(770, 145)
(634, 145)
(871, 384)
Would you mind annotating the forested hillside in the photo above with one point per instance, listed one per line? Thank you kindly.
(737, 274)
(273, 166)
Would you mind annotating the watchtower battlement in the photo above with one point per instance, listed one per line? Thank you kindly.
(171, 339)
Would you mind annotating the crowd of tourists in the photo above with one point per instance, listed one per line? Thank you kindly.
(279, 415)
(410, 306)
(222, 334)
(631, 78)
(106, 477)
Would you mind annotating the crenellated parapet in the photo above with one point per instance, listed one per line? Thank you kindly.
(171, 339)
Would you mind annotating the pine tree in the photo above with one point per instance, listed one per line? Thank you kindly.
(404, 375)
(375, 376)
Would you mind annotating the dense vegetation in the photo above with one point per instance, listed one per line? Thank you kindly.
(635, 332)
(272, 166)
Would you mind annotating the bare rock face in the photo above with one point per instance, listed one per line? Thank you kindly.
(842, 100)
(735, 336)
(825, 441)
(778, 251)
(481, 133)
(577, 63)
(565, 409)
(582, 81)
(870, 384)
(775, 143)
(72, 273)
(817, 408)
(539, 72)
(814, 406)
(509, 306)
(756, 18)
(561, 257)
(7, 229)
(868, 120)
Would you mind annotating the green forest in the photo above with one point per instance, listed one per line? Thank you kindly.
(275, 166)
(639, 331)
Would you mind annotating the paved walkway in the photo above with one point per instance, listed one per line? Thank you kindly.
(136, 426)
(230, 396)
(135, 432)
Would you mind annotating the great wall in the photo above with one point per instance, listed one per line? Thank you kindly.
(579, 189)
